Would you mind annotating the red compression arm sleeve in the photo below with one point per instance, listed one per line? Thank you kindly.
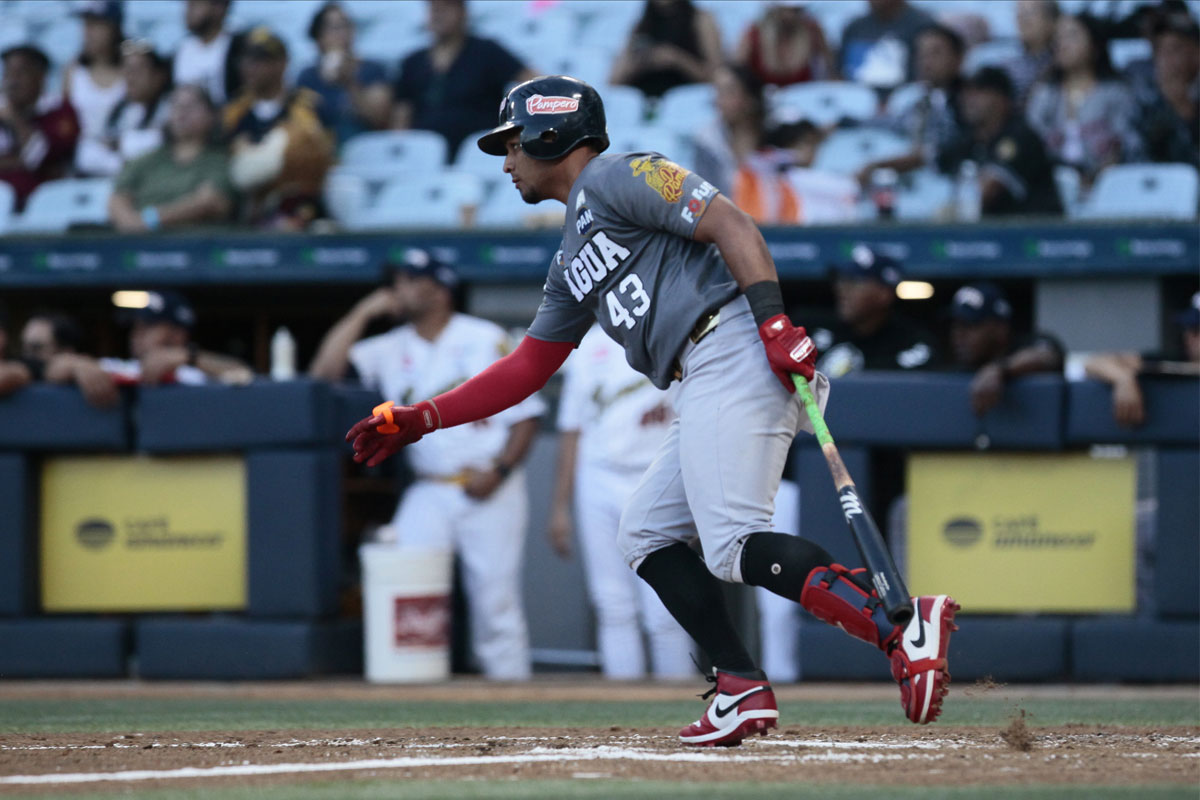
(504, 384)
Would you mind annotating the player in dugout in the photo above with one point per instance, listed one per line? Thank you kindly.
(683, 281)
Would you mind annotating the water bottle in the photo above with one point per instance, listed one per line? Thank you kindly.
(967, 199)
(283, 355)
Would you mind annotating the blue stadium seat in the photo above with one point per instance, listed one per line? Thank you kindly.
(1143, 191)
(378, 154)
(825, 102)
(847, 151)
(57, 205)
(421, 200)
(8, 201)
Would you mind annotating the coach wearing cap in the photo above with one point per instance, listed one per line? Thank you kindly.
(1015, 174)
(469, 492)
(162, 351)
(869, 333)
(981, 337)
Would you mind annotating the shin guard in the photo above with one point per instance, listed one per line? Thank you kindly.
(841, 597)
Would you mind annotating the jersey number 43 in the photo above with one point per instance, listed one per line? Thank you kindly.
(632, 285)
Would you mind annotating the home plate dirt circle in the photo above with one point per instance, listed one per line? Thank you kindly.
(1096, 755)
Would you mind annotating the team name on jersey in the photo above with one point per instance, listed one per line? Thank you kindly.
(596, 259)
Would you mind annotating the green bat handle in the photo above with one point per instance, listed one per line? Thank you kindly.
(814, 411)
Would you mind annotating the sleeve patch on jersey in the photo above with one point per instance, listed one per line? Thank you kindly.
(664, 177)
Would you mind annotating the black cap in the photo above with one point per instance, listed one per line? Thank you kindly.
(978, 302)
(421, 263)
(166, 306)
(1190, 317)
(866, 264)
(261, 42)
(107, 10)
(994, 79)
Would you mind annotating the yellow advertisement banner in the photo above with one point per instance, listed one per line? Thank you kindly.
(135, 533)
(1023, 532)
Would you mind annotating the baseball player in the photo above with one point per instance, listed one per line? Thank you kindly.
(469, 492)
(683, 281)
(611, 420)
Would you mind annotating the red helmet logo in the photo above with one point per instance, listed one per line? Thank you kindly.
(539, 104)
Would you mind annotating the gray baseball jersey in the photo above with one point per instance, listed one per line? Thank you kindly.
(628, 260)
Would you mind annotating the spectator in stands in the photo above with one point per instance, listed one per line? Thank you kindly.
(879, 48)
(673, 44)
(1083, 112)
(1036, 20)
(869, 333)
(1015, 174)
(37, 134)
(14, 374)
(936, 118)
(982, 340)
(1169, 116)
(183, 182)
(94, 84)
(355, 94)
(50, 345)
(451, 86)
(135, 126)
(203, 57)
(469, 492)
(280, 150)
(785, 46)
(162, 351)
(1122, 370)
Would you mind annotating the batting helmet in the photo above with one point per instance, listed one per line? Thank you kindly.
(554, 114)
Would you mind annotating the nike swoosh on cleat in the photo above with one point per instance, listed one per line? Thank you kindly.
(720, 712)
(920, 640)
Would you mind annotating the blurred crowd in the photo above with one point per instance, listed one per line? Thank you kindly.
(223, 130)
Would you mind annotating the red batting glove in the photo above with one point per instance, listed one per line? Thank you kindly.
(390, 428)
(789, 350)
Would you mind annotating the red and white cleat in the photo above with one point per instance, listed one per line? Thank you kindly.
(741, 708)
(919, 657)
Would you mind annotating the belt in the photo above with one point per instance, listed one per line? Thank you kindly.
(458, 478)
(704, 326)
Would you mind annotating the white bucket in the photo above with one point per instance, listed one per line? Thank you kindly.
(406, 613)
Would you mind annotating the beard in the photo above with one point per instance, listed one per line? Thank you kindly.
(530, 195)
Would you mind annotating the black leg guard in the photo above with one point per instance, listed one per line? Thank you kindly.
(781, 563)
(693, 596)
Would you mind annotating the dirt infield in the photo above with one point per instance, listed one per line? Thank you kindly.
(936, 754)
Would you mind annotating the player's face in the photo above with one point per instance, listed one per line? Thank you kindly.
(977, 343)
(37, 339)
(148, 336)
(528, 174)
(858, 300)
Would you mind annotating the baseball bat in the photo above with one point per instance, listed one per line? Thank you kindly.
(884, 576)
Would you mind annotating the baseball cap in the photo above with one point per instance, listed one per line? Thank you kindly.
(261, 42)
(1190, 317)
(107, 10)
(420, 263)
(978, 302)
(867, 265)
(166, 306)
(994, 79)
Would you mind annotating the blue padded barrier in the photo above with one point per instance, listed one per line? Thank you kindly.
(338, 647)
(1172, 413)
(1009, 648)
(16, 541)
(56, 418)
(63, 648)
(231, 648)
(1132, 649)
(1177, 533)
(352, 403)
(931, 411)
(294, 507)
(264, 414)
(821, 518)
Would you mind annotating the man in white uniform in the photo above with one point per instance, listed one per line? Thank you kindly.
(611, 421)
(469, 492)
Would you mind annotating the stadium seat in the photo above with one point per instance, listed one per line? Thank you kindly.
(994, 53)
(533, 36)
(624, 108)
(656, 140)
(389, 39)
(847, 151)
(591, 64)
(12, 33)
(62, 40)
(904, 97)
(8, 199)
(504, 208)
(346, 194)
(825, 102)
(57, 205)
(1143, 191)
(383, 153)
(1070, 189)
(421, 200)
(926, 198)
(1123, 52)
(686, 108)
